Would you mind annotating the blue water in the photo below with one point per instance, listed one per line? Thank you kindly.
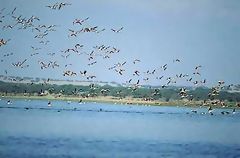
(29, 128)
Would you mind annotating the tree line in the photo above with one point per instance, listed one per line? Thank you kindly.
(92, 90)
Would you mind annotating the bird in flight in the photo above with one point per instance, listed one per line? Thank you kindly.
(117, 30)
(80, 21)
(3, 42)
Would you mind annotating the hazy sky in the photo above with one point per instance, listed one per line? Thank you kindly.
(203, 32)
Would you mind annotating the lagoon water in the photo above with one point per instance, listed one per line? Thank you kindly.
(29, 128)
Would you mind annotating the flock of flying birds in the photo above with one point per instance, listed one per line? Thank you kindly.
(135, 80)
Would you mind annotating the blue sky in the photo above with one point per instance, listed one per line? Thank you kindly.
(202, 32)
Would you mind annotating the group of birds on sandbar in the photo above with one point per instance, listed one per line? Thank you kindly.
(202, 111)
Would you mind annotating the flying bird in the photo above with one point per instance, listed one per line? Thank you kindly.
(117, 30)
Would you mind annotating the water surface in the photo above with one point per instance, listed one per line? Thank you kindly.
(29, 128)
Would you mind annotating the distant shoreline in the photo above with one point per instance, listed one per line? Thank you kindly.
(116, 100)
